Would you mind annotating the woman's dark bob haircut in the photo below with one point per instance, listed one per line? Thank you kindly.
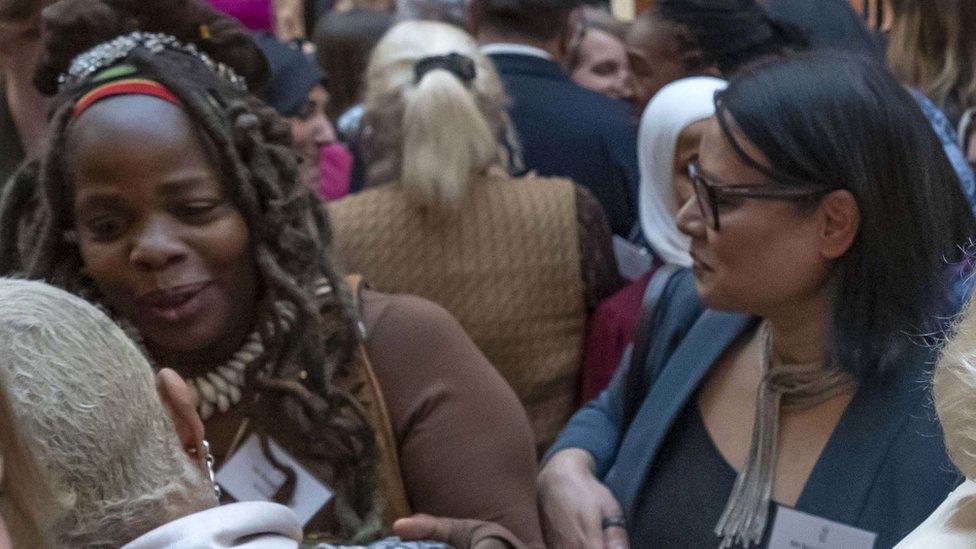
(839, 120)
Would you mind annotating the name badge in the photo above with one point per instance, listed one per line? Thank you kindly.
(249, 476)
(798, 530)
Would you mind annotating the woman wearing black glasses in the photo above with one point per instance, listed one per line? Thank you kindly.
(783, 400)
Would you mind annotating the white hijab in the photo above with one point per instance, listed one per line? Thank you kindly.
(678, 105)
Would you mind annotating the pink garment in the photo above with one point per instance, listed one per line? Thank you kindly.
(335, 171)
(610, 329)
(256, 15)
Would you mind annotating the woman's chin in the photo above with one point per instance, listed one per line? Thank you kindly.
(703, 289)
(714, 298)
(186, 346)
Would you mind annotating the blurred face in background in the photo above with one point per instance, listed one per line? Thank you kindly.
(20, 52)
(20, 44)
(602, 65)
(655, 55)
(20, 34)
(311, 130)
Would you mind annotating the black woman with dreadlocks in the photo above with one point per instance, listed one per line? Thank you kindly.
(169, 196)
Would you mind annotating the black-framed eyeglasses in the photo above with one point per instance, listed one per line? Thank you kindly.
(711, 195)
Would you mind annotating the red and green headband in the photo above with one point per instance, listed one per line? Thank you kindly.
(127, 86)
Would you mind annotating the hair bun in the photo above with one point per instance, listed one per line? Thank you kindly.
(69, 28)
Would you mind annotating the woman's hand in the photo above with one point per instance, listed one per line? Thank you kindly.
(458, 533)
(574, 505)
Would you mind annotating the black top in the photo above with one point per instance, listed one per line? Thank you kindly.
(686, 490)
(11, 150)
(829, 24)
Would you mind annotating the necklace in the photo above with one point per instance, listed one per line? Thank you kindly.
(223, 387)
(786, 387)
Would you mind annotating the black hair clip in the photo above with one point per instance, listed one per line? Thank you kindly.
(461, 66)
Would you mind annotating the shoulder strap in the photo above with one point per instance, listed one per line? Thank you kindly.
(652, 295)
(367, 389)
(643, 337)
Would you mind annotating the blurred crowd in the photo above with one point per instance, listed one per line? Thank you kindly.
(487, 273)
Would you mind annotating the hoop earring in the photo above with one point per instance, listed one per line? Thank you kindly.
(208, 461)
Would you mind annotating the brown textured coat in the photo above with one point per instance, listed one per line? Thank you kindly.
(506, 264)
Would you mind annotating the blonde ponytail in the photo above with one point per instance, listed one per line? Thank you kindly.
(433, 136)
(446, 140)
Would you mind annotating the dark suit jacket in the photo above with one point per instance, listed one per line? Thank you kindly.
(569, 131)
(11, 150)
(828, 24)
(884, 469)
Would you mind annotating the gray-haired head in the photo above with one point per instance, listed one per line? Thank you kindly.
(86, 402)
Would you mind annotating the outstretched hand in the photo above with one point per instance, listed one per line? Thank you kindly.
(458, 533)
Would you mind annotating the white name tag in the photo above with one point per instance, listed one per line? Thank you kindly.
(798, 530)
(249, 476)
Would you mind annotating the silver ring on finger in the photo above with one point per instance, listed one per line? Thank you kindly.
(613, 522)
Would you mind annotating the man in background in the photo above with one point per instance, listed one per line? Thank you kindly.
(564, 129)
(23, 110)
(454, 12)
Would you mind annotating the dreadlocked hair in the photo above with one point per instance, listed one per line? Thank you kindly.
(288, 228)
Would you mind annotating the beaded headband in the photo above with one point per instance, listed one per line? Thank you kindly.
(108, 53)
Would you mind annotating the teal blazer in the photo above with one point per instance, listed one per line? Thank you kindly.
(884, 468)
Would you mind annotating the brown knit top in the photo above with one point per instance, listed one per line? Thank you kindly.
(507, 264)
